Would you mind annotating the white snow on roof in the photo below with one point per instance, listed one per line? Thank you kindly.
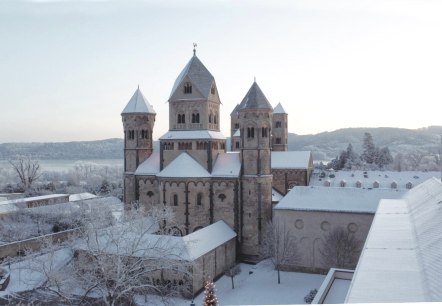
(367, 178)
(81, 196)
(151, 166)
(336, 199)
(192, 134)
(401, 259)
(227, 165)
(138, 104)
(37, 198)
(291, 160)
(279, 109)
(276, 196)
(184, 166)
(237, 133)
(207, 239)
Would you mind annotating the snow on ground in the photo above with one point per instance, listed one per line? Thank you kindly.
(259, 288)
(24, 274)
(338, 291)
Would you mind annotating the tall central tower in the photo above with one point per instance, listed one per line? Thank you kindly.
(255, 120)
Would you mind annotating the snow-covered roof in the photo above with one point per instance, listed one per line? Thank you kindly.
(188, 247)
(237, 133)
(81, 196)
(227, 165)
(276, 196)
(207, 239)
(192, 134)
(336, 199)
(401, 259)
(37, 198)
(184, 166)
(291, 159)
(367, 178)
(200, 77)
(151, 166)
(138, 104)
(279, 109)
(255, 99)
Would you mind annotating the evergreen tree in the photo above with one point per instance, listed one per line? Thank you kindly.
(209, 294)
(369, 153)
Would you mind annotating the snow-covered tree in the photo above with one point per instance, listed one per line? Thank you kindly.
(383, 157)
(209, 294)
(340, 249)
(279, 245)
(369, 149)
(27, 170)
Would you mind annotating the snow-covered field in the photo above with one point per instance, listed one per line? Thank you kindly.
(256, 285)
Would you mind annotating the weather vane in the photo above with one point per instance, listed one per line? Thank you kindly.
(194, 50)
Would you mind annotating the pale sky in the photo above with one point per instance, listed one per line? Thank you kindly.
(68, 68)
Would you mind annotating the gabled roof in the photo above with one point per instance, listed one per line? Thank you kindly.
(291, 159)
(138, 104)
(279, 109)
(192, 134)
(227, 165)
(150, 166)
(237, 133)
(184, 166)
(401, 261)
(255, 99)
(198, 74)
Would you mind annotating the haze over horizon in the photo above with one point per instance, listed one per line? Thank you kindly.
(69, 67)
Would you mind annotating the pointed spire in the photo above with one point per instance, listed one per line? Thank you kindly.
(279, 109)
(255, 99)
(138, 104)
(198, 75)
(194, 49)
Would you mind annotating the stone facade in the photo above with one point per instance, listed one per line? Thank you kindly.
(192, 173)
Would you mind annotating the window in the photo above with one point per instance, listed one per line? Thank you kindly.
(150, 194)
(213, 90)
(196, 118)
(237, 144)
(144, 134)
(222, 196)
(188, 88)
(264, 132)
(278, 140)
(250, 132)
(214, 119)
(181, 118)
(278, 124)
(236, 125)
(199, 199)
(131, 134)
(210, 118)
(175, 200)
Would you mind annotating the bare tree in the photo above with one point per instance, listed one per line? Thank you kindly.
(341, 249)
(414, 159)
(231, 272)
(279, 245)
(115, 263)
(27, 170)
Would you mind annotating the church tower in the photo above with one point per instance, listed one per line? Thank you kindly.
(194, 122)
(255, 119)
(138, 121)
(280, 129)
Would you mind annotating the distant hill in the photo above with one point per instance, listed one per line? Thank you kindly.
(98, 149)
(325, 146)
(328, 145)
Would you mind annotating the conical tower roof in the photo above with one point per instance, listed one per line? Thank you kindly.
(138, 104)
(255, 99)
(279, 109)
(198, 74)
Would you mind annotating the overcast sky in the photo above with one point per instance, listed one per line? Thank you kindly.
(68, 68)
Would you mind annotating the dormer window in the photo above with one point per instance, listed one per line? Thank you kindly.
(212, 90)
(188, 88)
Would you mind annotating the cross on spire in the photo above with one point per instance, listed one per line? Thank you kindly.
(194, 48)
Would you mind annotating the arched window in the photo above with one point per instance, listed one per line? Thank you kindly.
(212, 90)
(197, 118)
(214, 119)
(199, 199)
(179, 118)
(278, 124)
(264, 132)
(210, 118)
(175, 200)
(188, 88)
(250, 132)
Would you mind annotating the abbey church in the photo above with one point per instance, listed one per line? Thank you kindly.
(196, 174)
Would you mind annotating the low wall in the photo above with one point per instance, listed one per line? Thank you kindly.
(18, 248)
